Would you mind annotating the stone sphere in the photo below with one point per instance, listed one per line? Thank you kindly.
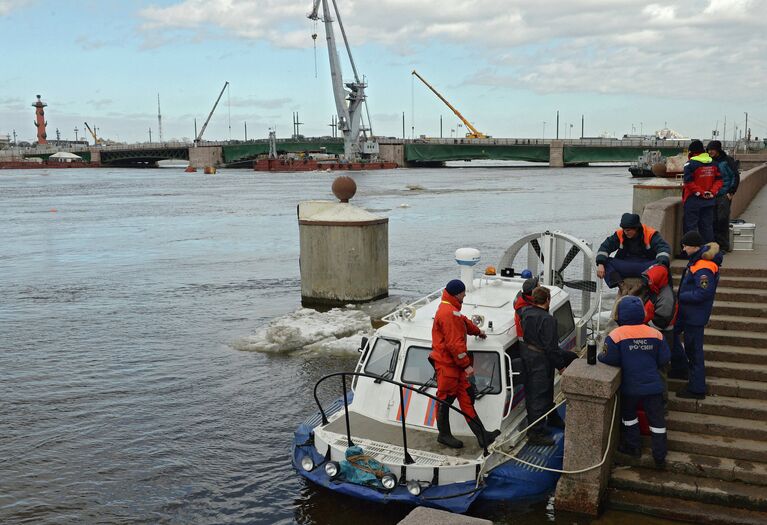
(659, 169)
(344, 188)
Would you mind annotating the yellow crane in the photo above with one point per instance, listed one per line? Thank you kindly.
(96, 140)
(474, 133)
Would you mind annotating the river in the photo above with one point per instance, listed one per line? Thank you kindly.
(126, 395)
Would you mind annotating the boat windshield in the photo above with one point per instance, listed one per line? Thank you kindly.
(487, 370)
(565, 321)
(383, 358)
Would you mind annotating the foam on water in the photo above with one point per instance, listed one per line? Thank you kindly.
(308, 331)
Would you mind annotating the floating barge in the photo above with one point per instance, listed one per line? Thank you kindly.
(297, 164)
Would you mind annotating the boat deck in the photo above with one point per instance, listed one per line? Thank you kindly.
(363, 427)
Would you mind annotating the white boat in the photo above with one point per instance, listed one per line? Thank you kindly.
(393, 378)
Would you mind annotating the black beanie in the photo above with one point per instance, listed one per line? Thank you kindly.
(696, 146)
(630, 220)
(529, 285)
(714, 145)
(455, 287)
(692, 238)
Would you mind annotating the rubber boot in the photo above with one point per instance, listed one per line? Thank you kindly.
(538, 438)
(484, 438)
(555, 420)
(443, 425)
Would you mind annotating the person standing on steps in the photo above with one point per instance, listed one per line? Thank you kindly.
(453, 366)
(541, 354)
(640, 352)
(702, 182)
(728, 167)
(697, 289)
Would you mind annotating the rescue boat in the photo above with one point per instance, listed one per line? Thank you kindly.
(378, 442)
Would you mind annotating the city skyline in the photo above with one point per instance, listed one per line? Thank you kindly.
(628, 67)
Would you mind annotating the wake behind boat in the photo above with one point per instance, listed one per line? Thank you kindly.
(379, 441)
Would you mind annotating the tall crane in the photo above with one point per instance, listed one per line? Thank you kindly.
(474, 133)
(96, 140)
(357, 145)
(205, 125)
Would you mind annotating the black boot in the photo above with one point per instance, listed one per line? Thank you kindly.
(443, 425)
(555, 420)
(484, 438)
(539, 438)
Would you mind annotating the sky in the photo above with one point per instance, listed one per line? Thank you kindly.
(627, 67)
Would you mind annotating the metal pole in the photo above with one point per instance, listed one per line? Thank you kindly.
(403, 125)
(246, 131)
(557, 124)
(408, 459)
(150, 135)
(346, 413)
(581, 126)
(748, 137)
(440, 126)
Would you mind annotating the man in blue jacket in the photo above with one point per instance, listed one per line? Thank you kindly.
(728, 168)
(702, 182)
(697, 289)
(640, 352)
(636, 246)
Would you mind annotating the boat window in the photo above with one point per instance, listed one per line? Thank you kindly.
(487, 372)
(565, 321)
(383, 358)
(418, 369)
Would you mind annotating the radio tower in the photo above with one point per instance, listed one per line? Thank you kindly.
(159, 118)
(40, 123)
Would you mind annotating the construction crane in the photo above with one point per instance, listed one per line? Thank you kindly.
(474, 133)
(349, 104)
(205, 125)
(96, 140)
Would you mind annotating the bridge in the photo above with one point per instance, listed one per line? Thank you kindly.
(418, 152)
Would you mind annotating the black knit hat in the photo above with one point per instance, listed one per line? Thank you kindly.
(529, 285)
(696, 146)
(455, 287)
(630, 220)
(692, 238)
(714, 145)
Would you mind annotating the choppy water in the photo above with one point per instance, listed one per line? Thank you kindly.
(123, 294)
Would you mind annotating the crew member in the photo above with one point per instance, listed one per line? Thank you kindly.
(696, 300)
(702, 182)
(636, 247)
(541, 354)
(523, 299)
(640, 351)
(659, 300)
(730, 180)
(452, 364)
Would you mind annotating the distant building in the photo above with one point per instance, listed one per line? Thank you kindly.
(5, 141)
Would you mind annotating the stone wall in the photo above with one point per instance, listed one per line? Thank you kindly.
(202, 156)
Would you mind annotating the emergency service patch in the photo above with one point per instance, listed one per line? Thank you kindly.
(704, 281)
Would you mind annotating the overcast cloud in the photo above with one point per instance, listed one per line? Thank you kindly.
(602, 46)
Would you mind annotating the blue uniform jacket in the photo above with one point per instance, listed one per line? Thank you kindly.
(637, 349)
(698, 285)
(729, 175)
(635, 248)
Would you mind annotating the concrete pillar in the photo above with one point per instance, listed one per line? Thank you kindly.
(557, 154)
(344, 254)
(95, 155)
(653, 190)
(393, 153)
(590, 392)
(202, 156)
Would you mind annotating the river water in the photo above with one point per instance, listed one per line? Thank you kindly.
(128, 298)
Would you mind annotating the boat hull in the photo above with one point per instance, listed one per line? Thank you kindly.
(288, 165)
(510, 482)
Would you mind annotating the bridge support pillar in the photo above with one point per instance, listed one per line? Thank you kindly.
(95, 155)
(557, 154)
(202, 156)
(393, 153)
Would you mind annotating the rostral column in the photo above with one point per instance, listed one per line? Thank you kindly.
(40, 123)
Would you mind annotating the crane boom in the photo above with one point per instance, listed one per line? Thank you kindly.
(95, 138)
(205, 125)
(475, 134)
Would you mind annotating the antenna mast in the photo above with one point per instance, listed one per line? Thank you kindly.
(159, 119)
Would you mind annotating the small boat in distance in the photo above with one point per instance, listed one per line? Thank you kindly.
(643, 166)
(378, 442)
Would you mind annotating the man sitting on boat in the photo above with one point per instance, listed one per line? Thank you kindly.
(636, 247)
(452, 364)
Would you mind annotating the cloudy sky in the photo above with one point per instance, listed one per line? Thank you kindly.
(627, 66)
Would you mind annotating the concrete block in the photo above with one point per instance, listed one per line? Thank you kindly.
(598, 381)
(427, 516)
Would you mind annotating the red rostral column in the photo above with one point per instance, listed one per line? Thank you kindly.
(40, 124)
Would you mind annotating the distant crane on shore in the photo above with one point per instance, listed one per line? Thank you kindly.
(357, 144)
(96, 140)
(205, 125)
(473, 133)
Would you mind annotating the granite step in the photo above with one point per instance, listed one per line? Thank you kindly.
(727, 386)
(682, 510)
(678, 266)
(724, 293)
(670, 484)
(718, 446)
(750, 338)
(702, 465)
(745, 371)
(727, 406)
(736, 354)
(708, 424)
(752, 283)
(738, 322)
(737, 308)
